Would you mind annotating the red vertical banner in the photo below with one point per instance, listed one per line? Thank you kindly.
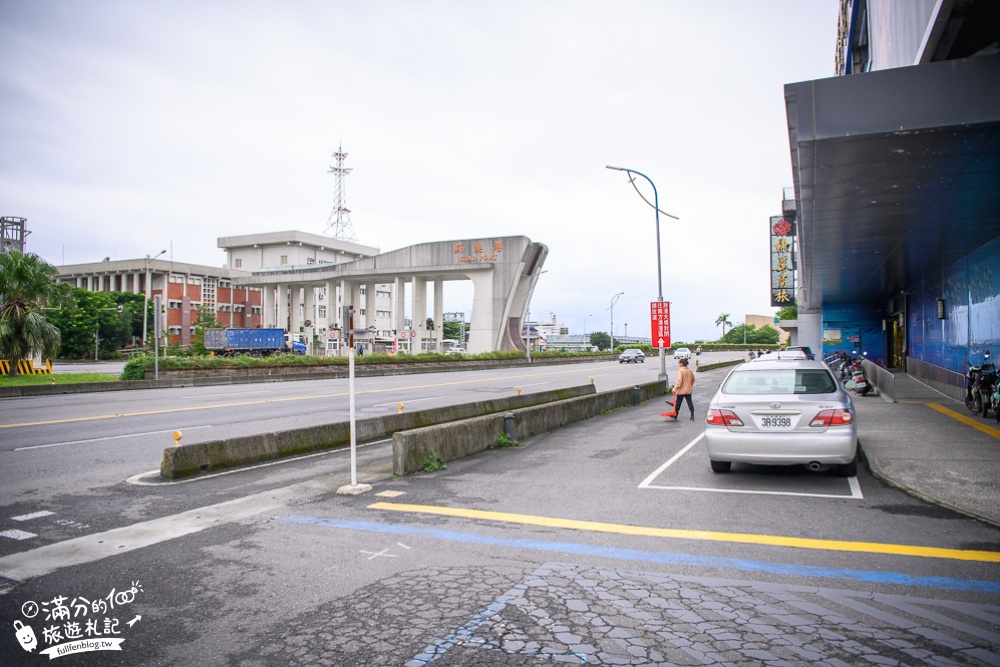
(659, 319)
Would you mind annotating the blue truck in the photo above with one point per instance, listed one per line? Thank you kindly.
(234, 342)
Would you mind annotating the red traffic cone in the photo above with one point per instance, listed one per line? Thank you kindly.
(673, 404)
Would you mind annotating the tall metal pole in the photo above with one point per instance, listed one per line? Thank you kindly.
(659, 263)
(145, 302)
(614, 300)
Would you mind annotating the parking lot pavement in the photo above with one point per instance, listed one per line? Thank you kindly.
(931, 446)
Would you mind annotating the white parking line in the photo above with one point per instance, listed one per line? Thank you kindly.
(647, 483)
(33, 515)
(110, 437)
(17, 534)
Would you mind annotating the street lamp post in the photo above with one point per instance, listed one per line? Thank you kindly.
(145, 302)
(528, 311)
(659, 269)
(585, 324)
(614, 300)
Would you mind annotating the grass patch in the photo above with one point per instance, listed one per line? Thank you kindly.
(60, 378)
(433, 463)
(503, 441)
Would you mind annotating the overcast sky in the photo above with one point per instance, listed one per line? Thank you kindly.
(129, 127)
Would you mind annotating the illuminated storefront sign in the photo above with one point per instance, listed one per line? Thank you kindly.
(782, 262)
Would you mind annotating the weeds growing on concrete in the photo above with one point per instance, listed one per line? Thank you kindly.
(433, 463)
(504, 440)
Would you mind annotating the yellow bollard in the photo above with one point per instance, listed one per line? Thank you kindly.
(591, 380)
(400, 406)
(518, 390)
(177, 438)
(697, 364)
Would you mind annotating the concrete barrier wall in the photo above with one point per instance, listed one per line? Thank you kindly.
(172, 379)
(202, 457)
(455, 440)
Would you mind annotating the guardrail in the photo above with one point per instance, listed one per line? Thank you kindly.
(883, 380)
(878, 377)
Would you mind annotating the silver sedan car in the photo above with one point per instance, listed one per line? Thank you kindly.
(782, 412)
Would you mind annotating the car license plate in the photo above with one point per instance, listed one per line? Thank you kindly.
(775, 423)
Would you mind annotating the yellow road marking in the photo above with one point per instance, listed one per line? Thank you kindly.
(272, 400)
(969, 421)
(702, 535)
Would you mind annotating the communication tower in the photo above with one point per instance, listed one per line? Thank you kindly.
(340, 218)
(12, 233)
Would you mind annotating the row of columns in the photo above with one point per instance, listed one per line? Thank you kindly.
(285, 311)
(95, 283)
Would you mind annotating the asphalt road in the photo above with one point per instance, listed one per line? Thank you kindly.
(606, 542)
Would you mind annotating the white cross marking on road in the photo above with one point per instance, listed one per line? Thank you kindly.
(384, 552)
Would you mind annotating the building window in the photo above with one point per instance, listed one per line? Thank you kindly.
(176, 279)
(193, 280)
(173, 304)
(237, 263)
(322, 312)
(310, 260)
(284, 260)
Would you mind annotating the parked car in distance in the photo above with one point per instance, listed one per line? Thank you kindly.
(631, 356)
(802, 348)
(787, 355)
(782, 412)
(682, 353)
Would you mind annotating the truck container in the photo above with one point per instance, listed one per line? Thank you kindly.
(235, 342)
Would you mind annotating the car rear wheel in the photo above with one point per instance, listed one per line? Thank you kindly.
(848, 469)
(721, 466)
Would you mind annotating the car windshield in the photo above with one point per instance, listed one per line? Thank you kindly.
(781, 381)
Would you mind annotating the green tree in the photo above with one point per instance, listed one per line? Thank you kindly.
(28, 285)
(115, 317)
(766, 335)
(207, 319)
(453, 331)
(723, 319)
(788, 312)
(600, 340)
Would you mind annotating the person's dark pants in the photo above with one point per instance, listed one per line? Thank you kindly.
(680, 401)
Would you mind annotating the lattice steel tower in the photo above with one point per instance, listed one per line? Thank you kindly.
(340, 216)
(12, 233)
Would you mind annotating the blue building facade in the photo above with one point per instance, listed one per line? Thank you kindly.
(896, 168)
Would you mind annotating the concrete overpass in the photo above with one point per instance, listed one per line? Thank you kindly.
(503, 272)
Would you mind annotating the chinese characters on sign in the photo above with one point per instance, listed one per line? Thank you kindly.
(659, 317)
(78, 624)
(782, 264)
(478, 252)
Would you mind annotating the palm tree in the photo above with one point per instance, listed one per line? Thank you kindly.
(723, 319)
(27, 285)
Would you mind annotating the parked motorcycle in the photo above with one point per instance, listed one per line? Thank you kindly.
(980, 383)
(861, 384)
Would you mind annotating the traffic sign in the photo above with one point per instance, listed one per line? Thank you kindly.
(402, 335)
(659, 318)
(413, 333)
